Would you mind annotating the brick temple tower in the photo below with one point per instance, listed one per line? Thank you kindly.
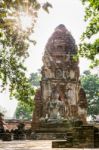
(60, 95)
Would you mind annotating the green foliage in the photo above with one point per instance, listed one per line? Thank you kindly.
(91, 49)
(24, 111)
(90, 83)
(14, 43)
(35, 79)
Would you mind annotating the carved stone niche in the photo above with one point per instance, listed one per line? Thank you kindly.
(71, 93)
(82, 98)
(62, 91)
(59, 73)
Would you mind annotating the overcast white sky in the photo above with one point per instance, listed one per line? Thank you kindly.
(67, 12)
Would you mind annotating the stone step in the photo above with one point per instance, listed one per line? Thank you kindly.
(49, 136)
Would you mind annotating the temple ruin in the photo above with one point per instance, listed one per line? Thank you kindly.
(60, 95)
(60, 102)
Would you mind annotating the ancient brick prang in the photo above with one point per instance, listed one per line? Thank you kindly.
(61, 94)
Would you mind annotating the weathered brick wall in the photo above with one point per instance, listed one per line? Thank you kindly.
(12, 124)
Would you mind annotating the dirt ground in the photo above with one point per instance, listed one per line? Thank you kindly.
(32, 145)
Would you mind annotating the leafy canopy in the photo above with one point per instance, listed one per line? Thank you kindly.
(89, 46)
(24, 110)
(35, 79)
(14, 43)
(90, 83)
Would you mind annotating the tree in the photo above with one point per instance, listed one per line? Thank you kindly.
(35, 79)
(25, 110)
(90, 83)
(14, 43)
(91, 49)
